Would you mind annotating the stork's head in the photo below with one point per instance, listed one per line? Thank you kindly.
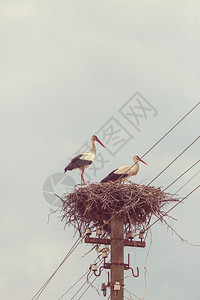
(136, 158)
(95, 138)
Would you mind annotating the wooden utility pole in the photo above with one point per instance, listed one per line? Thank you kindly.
(117, 256)
(117, 264)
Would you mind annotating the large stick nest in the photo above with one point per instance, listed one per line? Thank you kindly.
(95, 205)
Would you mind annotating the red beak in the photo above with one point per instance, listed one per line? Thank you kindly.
(143, 161)
(100, 143)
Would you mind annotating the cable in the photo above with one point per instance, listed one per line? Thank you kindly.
(78, 241)
(165, 135)
(80, 288)
(182, 175)
(131, 294)
(174, 160)
(173, 207)
(178, 189)
(145, 267)
(187, 182)
(86, 280)
(86, 289)
(170, 130)
(74, 284)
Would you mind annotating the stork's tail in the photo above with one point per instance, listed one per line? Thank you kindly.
(66, 169)
(69, 167)
(104, 180)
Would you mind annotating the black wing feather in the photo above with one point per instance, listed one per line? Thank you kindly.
(114, 177)
(77, 162)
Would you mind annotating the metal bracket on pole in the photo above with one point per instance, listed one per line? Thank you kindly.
(127, 243)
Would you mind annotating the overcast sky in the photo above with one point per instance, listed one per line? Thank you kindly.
(70, 69)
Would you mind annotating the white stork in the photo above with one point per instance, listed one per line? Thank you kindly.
(83, 160)
(123, 173)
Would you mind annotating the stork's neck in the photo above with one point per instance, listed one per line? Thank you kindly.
(93, 149)
(136, 167)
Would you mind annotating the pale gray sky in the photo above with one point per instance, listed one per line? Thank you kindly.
(67, 67)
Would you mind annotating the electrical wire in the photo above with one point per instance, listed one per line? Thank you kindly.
(165, 135)
(74, 284)
(159, 218)
(174, 160)
(182, 175)
(40, 291)
(187, 182)
(90, 284)
(170, 130)
(145, 267)
(179, 188)
(131, 294)
(80, 288)
(128, 298)
(86, 288)
(88, 271)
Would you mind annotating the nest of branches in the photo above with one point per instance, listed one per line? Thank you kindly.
(96, 204)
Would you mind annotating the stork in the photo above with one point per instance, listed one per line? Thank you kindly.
(83, 160)
(123, 173)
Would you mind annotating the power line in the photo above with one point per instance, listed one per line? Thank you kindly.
(90, 284)
(170, 130)
(182, 175)
(188, 181)
(130, 293)
(86, 288)
(88, 271)
(165, 135)
(181, 187)
(173, 207)
(174, 160)
(74, 284)
(80, 288)
(78, 241)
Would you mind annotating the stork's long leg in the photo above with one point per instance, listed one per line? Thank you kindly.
(83, 177)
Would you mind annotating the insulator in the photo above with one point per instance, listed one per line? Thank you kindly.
(141, 235)
(88, 231)
(130, 234)
(99, 231)
(94, 267)
(103, 287)
(116, 286)
(104, 254)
